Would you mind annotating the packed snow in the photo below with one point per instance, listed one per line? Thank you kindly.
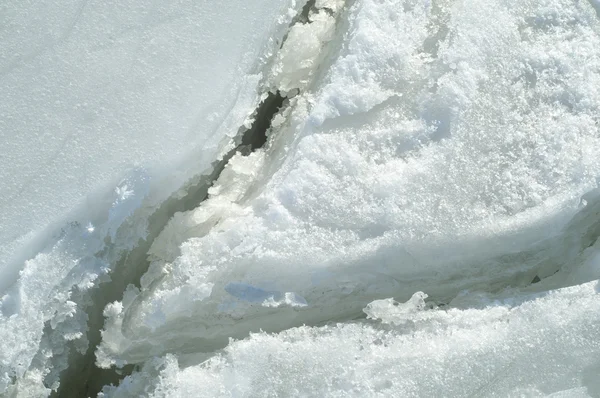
(504, 349)
(422, 221)
(106, 110)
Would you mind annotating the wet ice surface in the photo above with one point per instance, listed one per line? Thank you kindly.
(441, 153)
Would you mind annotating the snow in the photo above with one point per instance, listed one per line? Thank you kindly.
(87, 98)
(423, 220)
(534, 346)
(298, 58)
(106, 110)
(412, 165)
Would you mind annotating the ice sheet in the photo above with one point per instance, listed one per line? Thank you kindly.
(106, 110)
(529, 346)
(446, 147)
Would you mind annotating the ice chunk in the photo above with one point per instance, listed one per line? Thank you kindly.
(390, 311)
(298, 59)
(305, 48)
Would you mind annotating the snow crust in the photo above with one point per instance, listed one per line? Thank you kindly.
(300, 54)
(532, 345)
(106, 110)
(446, 147)
(435, 170)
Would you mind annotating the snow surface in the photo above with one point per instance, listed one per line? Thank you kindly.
(437, 157)
(106, 110)
(530, 347)
(417, 162)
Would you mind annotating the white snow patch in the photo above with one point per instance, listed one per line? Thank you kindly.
(400, 169)
(543, 345)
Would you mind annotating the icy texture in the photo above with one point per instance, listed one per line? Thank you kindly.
(106, 110)
(390, 311)
(86, 97)
(300, 55)
(435, 169)
(441, 146)
(530, 346)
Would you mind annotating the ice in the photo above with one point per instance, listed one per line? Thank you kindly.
(298, 58)
(540, 345)
(390, 311)
(129, 195)
(446, 147)
(106, 111)
(253, 294)
(422, 221)
(333, 5)
(85, 98)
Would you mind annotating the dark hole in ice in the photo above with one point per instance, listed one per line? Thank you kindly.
(256, 136)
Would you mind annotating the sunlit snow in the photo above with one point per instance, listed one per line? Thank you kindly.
(422, 221)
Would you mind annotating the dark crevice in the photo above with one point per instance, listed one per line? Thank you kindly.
(83, 378)
(329, 11)
(256, 136)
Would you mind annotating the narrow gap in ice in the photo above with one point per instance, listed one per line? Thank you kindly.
(83, 377)
(291, 73)
(367, 255)
(306, 10)
(256, 136)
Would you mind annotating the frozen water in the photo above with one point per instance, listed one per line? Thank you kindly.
(390, 311)
(447, 147)
(86, 97)
(534, 346)
(253, 294)
(106, 110)
(435, 167)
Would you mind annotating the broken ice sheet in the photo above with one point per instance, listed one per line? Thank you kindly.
(434, 146)
(415, 160)
(158, 88)
(543, 345)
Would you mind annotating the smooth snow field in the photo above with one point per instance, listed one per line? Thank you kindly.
(273, 198)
